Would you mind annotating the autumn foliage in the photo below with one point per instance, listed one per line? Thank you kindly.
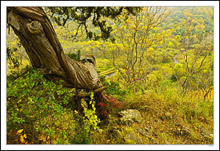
(161, 61)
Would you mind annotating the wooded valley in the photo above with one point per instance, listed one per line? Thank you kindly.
(110, 75)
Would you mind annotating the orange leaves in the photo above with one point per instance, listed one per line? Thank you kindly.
(158, 37)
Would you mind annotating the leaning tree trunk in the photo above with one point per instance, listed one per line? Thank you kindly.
(40, 41)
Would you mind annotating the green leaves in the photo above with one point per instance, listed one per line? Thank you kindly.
(75, 56)
(14, 119)
(31, 99)
(96, 16)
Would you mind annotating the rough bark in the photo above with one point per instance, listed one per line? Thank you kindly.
(40, 41)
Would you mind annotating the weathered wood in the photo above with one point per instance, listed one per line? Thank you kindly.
(89, 93)
(40, 41)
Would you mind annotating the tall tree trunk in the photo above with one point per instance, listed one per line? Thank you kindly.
(40, 41)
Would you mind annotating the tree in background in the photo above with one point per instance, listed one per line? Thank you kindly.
(136, 37)
(195, 70)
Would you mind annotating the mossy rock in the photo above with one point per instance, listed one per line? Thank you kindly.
(130, 116)
(132, 138)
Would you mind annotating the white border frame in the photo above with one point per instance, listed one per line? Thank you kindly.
(215, 4)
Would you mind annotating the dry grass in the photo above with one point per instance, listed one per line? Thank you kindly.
(175, 119)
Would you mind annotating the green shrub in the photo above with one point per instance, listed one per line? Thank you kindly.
(33, 101)
(113, 87)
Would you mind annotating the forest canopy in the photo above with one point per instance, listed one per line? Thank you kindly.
(90, 15)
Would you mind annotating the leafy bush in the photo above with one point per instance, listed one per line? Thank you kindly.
(87, 125)
(34, 103)
(113, 87)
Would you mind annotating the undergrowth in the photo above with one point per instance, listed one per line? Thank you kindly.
(41, 112)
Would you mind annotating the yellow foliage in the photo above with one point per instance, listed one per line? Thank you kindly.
(22, 139)
(20, 131)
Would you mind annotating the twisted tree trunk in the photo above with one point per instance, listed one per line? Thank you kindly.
(40, 41)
